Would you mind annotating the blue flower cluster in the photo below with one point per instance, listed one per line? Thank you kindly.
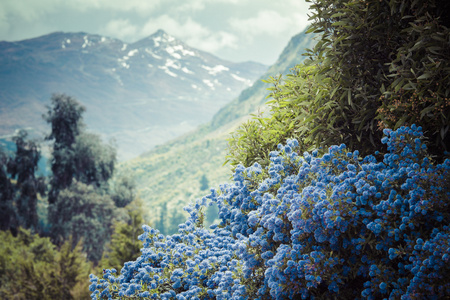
(307, 227)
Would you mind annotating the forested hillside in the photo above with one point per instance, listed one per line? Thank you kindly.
(170, 177)
(57, 227)
(341, 191)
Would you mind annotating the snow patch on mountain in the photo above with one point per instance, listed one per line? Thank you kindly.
(87, 42)
(187, 71)
(215, 70)
(238, 78)
(209, 83)
(167, 71)
(172, 50)
(133, 52)
(152, 53)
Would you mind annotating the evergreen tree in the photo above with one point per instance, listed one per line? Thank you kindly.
(82, 213)
(82, 164)
(7, 213)
(122, 191)
(93, 161)
(23, 168)
(65, 118)
(124, 245)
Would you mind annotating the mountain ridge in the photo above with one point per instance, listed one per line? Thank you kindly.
(154, 89)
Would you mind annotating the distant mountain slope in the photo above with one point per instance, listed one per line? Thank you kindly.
(172, 173)
(141, 94)
(253, 97)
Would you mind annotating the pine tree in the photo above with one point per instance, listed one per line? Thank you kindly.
(23, 168)
(65, 119)
(7, 213)
(124, 245)
(81, 167)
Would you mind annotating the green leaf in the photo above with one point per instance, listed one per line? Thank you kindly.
(424, 76)
(401, 122)
(426, 110)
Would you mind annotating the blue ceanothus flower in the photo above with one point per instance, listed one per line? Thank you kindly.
(307, 227)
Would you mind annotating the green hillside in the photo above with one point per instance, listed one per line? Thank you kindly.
(170, 176)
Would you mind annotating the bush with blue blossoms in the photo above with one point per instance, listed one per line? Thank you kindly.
(308, 227)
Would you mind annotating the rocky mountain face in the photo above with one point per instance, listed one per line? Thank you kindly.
(140, 94)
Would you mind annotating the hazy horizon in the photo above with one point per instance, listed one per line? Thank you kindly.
(246, 30)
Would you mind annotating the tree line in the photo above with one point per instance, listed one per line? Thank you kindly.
(57, 228)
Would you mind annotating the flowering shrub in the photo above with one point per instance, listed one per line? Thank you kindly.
(310, 227)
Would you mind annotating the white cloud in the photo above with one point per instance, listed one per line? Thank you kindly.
(296, 5)
(214, 42)
(4, 25)
(201, 4)
(191, 32)
(138, 6)
(266, 22)
(120, 28)
(174, 27)
(28, 10)
(193, 5)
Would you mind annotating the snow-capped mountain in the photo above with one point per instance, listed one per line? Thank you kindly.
(140, 94)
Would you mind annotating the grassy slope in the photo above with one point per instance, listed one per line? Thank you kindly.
(171, 173)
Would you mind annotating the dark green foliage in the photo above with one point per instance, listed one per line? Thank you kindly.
(395, 51)
(31, 268)
(93, 161)
(419, 90)
(22, 168)
(81, 212)
(65, 118)
(124, 245)
(7, 214)
(82, 208)
(377, 64)
(82, 166)
(122, 191)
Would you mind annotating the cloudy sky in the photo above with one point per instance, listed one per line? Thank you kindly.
(237, 30)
